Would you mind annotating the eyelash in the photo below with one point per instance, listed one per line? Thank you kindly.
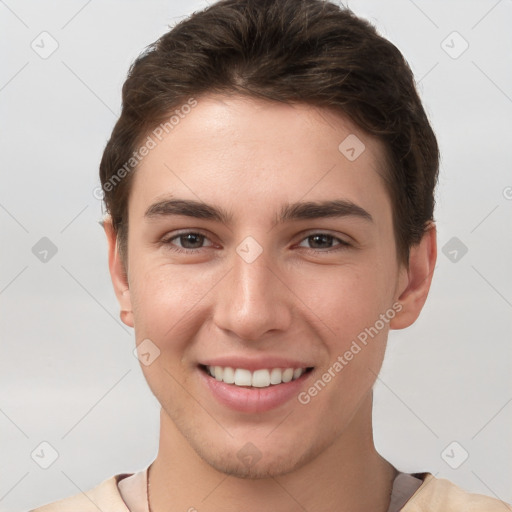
(342, 245)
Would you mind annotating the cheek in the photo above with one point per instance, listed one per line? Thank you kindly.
(167, 301)
(345, 298)
(160, 297)
(351, 305)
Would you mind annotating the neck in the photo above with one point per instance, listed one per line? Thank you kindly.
(349, 475)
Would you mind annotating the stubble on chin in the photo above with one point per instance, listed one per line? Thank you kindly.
(228, 459)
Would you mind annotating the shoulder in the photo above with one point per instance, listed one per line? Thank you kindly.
(105, 496)
(441, 495)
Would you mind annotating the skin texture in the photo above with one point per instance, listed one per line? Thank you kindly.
(300, 298)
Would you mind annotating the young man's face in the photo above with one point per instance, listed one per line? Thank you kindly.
(256, 291)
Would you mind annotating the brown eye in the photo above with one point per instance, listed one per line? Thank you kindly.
(323, 242)
(191, 240)
(187, 242)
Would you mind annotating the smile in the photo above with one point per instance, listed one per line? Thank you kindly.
(261, 378)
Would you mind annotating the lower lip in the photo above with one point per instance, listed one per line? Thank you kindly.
(253, 400)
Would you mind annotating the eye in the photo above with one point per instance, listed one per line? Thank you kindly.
(323, 242)
(190, 242)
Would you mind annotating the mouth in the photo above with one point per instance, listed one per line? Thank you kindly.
(254, 385)
(257, 379)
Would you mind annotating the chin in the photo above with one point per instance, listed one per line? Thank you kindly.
(249, 462)
(266, 467)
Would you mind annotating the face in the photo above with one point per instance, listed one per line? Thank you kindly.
(255, 244)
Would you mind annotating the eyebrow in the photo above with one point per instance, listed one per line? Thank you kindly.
(289, 212)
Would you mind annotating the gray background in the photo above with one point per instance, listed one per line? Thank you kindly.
(68, 375)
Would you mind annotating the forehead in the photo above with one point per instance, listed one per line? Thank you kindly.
(249, 153)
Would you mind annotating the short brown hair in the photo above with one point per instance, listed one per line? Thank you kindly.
(293, 51)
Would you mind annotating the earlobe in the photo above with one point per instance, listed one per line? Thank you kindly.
(126, 315)
(118, 274)
(417, 279)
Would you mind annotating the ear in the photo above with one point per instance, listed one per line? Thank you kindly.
(415, 281)
(118, 274)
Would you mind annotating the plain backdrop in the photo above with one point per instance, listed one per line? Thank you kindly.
(69, 378)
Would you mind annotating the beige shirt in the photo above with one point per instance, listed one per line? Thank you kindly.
(417, 492)
(133, 490)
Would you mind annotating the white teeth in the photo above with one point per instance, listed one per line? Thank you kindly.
(287, 375)
(275, 376)
(243, 377)
(258, 379)
(229, 375)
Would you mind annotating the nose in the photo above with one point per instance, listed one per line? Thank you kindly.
(253, 300)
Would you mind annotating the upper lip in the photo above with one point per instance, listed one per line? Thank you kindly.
(255, 363)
